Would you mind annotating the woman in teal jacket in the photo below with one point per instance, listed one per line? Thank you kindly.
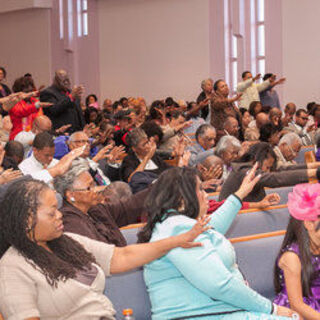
(201, 283)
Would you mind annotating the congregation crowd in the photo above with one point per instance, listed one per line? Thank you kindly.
(74, 170)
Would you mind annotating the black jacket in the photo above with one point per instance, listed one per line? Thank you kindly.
(131, 162)
(64, 110)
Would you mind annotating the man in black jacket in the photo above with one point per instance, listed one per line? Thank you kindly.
(66, 103)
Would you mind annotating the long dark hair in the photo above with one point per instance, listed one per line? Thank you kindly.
(20, 202)
(175, 188)
(297, 233)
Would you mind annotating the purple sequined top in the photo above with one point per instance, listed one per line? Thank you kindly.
(314, 299)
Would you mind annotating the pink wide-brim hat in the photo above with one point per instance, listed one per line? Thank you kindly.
(304, 201)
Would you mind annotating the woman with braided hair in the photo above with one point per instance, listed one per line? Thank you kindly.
(45, 274)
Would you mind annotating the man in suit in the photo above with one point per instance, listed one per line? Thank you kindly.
(66, 103)
(300, 127)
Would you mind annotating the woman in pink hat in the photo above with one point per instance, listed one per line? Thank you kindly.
(297, 269)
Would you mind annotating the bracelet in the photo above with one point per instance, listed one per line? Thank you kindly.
(237, 198)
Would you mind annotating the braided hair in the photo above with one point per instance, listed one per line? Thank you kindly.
(22, 202)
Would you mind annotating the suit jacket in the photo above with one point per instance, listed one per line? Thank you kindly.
(307, 138)
(287, 177)
(198, 154)
(64, 110)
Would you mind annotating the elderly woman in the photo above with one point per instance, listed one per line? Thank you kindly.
(46, 274)
(204, 283)
(83, 212)
(141, 157)
(228, 149)
(204, 98)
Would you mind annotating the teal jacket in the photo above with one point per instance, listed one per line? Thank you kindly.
(201, 280)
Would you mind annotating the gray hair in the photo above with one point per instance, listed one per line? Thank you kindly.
(202, 130)
(135, 136)
(66, 181)
(119, 190)
(225, 143)
(290, 138)
(203, 82)
(71, 139)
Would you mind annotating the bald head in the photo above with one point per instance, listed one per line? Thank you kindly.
(61, 80)
(290, 109)
(41, 124)
(275, 112)
(231, 125)
(261, 119)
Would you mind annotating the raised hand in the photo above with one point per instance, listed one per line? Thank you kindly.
(102, 153)
(153, 148)
(63, 129)
(116, 153)
(65, 162)
(237, 97)
(184, 160)
(187, 238)
(178, 148)
(214, 172)
(45, 104)
(281, 80)
(269, 200)
(257, 77)
(212, 183)
(89, 129)
(9, 175)
(248, 183)
(77, 91)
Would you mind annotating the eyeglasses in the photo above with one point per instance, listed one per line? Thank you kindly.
(96, 189)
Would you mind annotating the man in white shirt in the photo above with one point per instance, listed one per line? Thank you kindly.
(80, 139)
(251, 90)
(40, 124)
(41, 165)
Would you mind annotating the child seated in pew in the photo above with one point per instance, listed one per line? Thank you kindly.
(297, 268)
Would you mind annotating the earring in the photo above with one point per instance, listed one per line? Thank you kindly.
(72, 199)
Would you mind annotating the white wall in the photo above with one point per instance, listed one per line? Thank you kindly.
(153, 48)
(301, 50)
(25, 44)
